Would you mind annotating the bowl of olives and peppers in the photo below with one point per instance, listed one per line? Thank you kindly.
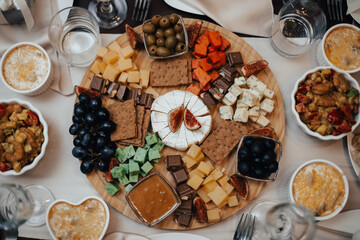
(165, 36)
(92, 127)
(258, 158)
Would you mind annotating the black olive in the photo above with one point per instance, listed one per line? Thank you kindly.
(159, 33)
(170, 42)
(160, 42)
(169, 32)
(257, 148)
(178, 28)
(243, 167)
(164, 22)
(180, 37)
(152, 50)
(149, 28)
(162, 51)
(180, 47)
(174, 18)
(150, 39)
(155, 20)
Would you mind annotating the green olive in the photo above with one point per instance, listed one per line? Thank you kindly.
(150, 39)
(159, 33)
(164, 22)
(178, 27)
(174, 18)
(180, 47)
(169, 32)
(155, 20)
(170, 42)
(162, 51)
(149, 28)
(152, 50)
(180, 37)
(160, 42)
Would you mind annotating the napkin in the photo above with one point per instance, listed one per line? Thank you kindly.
(253, 17)
(353, 6)
(11, 34)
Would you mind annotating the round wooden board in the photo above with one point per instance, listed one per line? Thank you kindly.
(277, 121)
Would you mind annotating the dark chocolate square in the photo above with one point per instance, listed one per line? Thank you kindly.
(215, 92)
(207, 99)
(234, 58)
(97, 84)
(184, 219)
(174, 162)
(112, 90)
(122, 93)
(185, 191)
(180, 176)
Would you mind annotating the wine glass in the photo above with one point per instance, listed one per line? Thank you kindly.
(108, 13)
(282, 221)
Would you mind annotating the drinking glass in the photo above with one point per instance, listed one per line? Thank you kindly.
(108, 13)
(299, 24)
(282, 221)
(74, 33)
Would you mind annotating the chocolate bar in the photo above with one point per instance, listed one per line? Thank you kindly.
(183, 219)
(134, 94)
(97, 84)
(185, 207)
(146, 100)
(207, 99)
(122, 93)
(180, 176)
(216, 93)
(228, 72)
(173, 162)
(185, 191)
(222, 84)
(112, 90)
(234, 58)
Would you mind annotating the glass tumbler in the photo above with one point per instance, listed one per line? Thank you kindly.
(299, 24)
(74, 33)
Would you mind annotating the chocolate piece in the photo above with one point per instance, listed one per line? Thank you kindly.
(234, 58)
(185, 207)
(207, 99)
(222, 84)
(185, 191)
(180, 176)
(112, 89)
(97, 84)
(149, 101)
(146, 100)
(215, 92)
(134, 94)
(183, 219)
(173, 162)
(122, 93)
(228, 72)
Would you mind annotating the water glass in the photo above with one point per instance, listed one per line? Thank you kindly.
(74, 33)
(299, 24)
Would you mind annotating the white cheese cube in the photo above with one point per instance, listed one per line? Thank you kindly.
(268, 101)
(249, 99)
(229, 99)
(255, 84)
(258, 94)
(226, 112)
(254, 112)
(235, 90)
(262, 120)
(268, 93)
(253, 119)
(240, 81)
(240, 104)
(267, 107)
(263, 112)
(241, 115)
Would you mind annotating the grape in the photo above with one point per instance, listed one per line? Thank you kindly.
(103, 114)
(90, 119)
(100, 142)
(82, 131)
(108, 126)
(79, 152)
(269, 144)
(87, 141)
(102, 166)
(248, 141)
(74, 129)
(84, 98)
(80, 110)
(86, 167)
(107, 152)
(104, 134)
(77, 141)
(95, 104)
(77, 119)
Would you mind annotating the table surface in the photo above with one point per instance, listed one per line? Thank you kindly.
(59, 170)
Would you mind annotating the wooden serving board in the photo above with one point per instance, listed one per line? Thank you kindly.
(277, 119)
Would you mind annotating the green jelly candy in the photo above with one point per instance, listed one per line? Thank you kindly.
(142, 173)
(158, 146)
(148, 134)
(118, 172)
(147, 167)
(125, 166)
(124, 181)
(128, 187)
(120, 155)
(133, 178)
(129, 151)
(154, 154)
(146, 146)
(140, 155)
(134, 168)
(151, 139)
(112, 188)
(156, 160)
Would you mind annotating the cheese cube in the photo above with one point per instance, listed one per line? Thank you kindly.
(262, 120)
(223, 180)
(134, 67)
(235, 90)
(241, 115)
(254, 112)
(124, 64)
(127, 51)
(111, 73)
(210, 186)
(134, 77)
(95, 67)
(205, 167)
(256, 84)
(199, 157)
(152, 91)
(102, 52)
(195, 181)
(229, 99)
(240, 81)
(226, 112)
(114, 46)
(240, 104)
(218, 196)
(268, 93)
(216, 173)
(268, 101)
(253, 118)
(144, 78)
(194, 151)
(267, 107)
(197, 172)
(263, 112)
(233, 201)
(213, 215)
(249, 99)
(208, 179)
(203, 195)
(188, 161)
(257, 94)
(110, 57)
(102, 67)
(123, 77)
(227, 188)
(134, 86)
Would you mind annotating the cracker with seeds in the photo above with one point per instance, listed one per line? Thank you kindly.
(140, 113)
(174, 72)
(123, 114)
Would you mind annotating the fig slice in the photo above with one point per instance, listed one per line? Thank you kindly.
(241, 185)
(266, 132)
(134, 38)
(90, 93)
(175, 118)
(190, 120)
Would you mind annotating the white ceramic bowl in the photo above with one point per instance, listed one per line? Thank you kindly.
(45, 132)
(303, 126)
(343, 177)
(34, 91)
(321, 56)
(77, 204)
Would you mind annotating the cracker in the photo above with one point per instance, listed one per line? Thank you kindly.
(222, 140)
(140, 112)
(172, 72)
(123, 114)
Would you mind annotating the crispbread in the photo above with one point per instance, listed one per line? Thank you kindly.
(140, 112)
(222, 140)
(173, 72)
(123, 114)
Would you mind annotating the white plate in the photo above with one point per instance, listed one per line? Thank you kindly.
(355, 14)
(183, 7)
(352, 155)
(177, 236)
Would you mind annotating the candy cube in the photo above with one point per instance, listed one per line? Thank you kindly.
(112, 188)
(140, 155)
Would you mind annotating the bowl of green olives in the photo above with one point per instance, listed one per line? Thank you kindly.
(165, 36)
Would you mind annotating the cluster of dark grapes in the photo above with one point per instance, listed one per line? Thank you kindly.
(257, 158)
(92, 128)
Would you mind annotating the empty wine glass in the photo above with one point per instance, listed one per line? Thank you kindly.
(108, 13)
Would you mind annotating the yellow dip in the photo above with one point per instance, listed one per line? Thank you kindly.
(319, 187)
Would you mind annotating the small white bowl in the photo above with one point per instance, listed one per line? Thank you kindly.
(303, 126)
(321, 56)
(43, 86)
(77, 204)
(45, 132)
(346, 195)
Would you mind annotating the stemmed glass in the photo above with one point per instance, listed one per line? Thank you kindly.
(108, 13)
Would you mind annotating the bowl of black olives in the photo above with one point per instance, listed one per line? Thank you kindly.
(165, 36)
(258, 158)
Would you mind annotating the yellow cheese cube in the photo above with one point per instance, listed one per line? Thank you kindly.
(114, 46)
(197, 172)
(233, 201)
(203, 195)
(210, 186)
(194, 151)
(208, 179)
(213, 215)
(111, 57)
(216, 173)
(102, 66)
(205, 167)
(134, 67)
(124, 64)
(223, 180)
(123, 78)
(218, 196)
(199, 157)
(144, 78)
(223, 204)
(134, 77)
(188, 161)
(127, 51)
(195, 181)
(95, 67)
(227, 188)
(134, 86)
(152, 91)
(102, 52)
(111, 73)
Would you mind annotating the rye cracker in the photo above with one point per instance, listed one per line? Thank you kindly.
(123, 114)
(140, 113)
(172, 72)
